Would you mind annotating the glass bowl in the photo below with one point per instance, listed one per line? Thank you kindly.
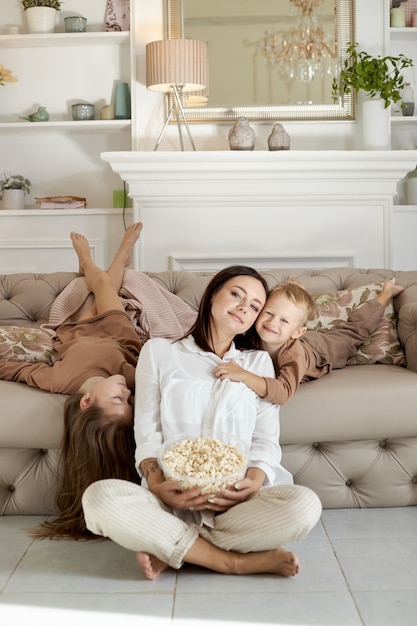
(206, 459)
(82, 111)
(75, 24)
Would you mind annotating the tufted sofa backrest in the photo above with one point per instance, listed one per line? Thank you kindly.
(26, 299)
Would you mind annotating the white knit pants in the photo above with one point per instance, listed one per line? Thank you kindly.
(134, 518)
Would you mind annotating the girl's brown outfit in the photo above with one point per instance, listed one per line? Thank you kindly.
(103, 345)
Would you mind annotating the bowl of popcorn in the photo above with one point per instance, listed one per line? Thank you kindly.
(209, 460)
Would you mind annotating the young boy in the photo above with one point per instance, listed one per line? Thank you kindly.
(299, 354)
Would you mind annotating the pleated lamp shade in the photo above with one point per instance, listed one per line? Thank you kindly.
(181, 62)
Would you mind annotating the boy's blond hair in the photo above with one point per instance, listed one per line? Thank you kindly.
(298, 296)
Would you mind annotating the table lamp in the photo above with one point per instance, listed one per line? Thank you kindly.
(176, 66)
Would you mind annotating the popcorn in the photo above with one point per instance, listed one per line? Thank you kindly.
(204, 462)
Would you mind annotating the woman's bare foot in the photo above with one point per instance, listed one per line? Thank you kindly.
(278, 561)
(82, 249)
(150, 565)
(389, 291)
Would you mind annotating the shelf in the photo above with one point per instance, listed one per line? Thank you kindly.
(68, 125)
(404, 119)
(34, 211)
(407, 33)
(116, 38)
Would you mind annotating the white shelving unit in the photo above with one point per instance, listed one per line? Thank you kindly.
(56, 42)
(56, 70)
(403, 40)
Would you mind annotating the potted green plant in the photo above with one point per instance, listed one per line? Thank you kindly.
(41, 14)
(381, 81)
(380, 77)
(12, 191)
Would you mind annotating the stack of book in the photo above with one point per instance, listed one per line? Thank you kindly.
(61, 202)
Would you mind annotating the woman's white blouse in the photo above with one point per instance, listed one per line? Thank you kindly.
(176, 389)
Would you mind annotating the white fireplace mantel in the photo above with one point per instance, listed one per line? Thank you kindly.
(203, 210)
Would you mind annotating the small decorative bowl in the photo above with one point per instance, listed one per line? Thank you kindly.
(82, 111)
(75, 24)
(209, 460)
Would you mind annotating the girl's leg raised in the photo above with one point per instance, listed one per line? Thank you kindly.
(105, 285)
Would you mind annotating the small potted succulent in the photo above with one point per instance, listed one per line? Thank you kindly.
(52, 4)
(12, 191)
(41, 14)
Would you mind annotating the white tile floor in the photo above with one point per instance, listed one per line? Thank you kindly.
(359, 568)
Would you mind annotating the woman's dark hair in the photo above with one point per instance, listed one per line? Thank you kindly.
(93, 448)
(201, 328)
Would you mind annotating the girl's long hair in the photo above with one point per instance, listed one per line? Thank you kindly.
(93, 448)
(201, 328)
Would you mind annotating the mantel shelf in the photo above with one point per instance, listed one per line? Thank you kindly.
(355, 169)
(262, 208)
(116, 38)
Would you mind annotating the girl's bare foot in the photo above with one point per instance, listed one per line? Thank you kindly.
(130, 237)
(82, 249)
(389, 291)
(150, 565)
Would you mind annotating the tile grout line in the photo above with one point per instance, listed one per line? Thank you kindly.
(343, 574)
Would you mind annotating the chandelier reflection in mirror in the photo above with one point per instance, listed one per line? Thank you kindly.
(303, 52)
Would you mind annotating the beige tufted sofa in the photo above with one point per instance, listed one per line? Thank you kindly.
(351, 436)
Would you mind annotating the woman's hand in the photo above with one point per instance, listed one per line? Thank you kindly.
(170, 493)
(241, 492)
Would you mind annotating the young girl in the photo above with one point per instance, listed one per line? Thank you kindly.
(240, 530)
(96, 364)
(300, 354)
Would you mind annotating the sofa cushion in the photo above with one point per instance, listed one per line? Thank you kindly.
(382, 346)
(26, 344)
(31, 418)
(371, 402)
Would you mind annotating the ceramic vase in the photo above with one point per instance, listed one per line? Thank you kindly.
(397, 17)
(13, 199)
(375, 124)
(279, 139)
(41, 19)
(407, 97)
(118, 15)
(411, 186)
(122, 102)
(241, 135)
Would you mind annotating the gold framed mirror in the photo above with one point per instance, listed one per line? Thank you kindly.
(252, 21)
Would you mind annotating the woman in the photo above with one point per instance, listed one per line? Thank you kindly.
(240, 530)
(96, 364)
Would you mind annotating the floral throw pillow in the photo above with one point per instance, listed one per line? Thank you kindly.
(382, 346)
(26, 344)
